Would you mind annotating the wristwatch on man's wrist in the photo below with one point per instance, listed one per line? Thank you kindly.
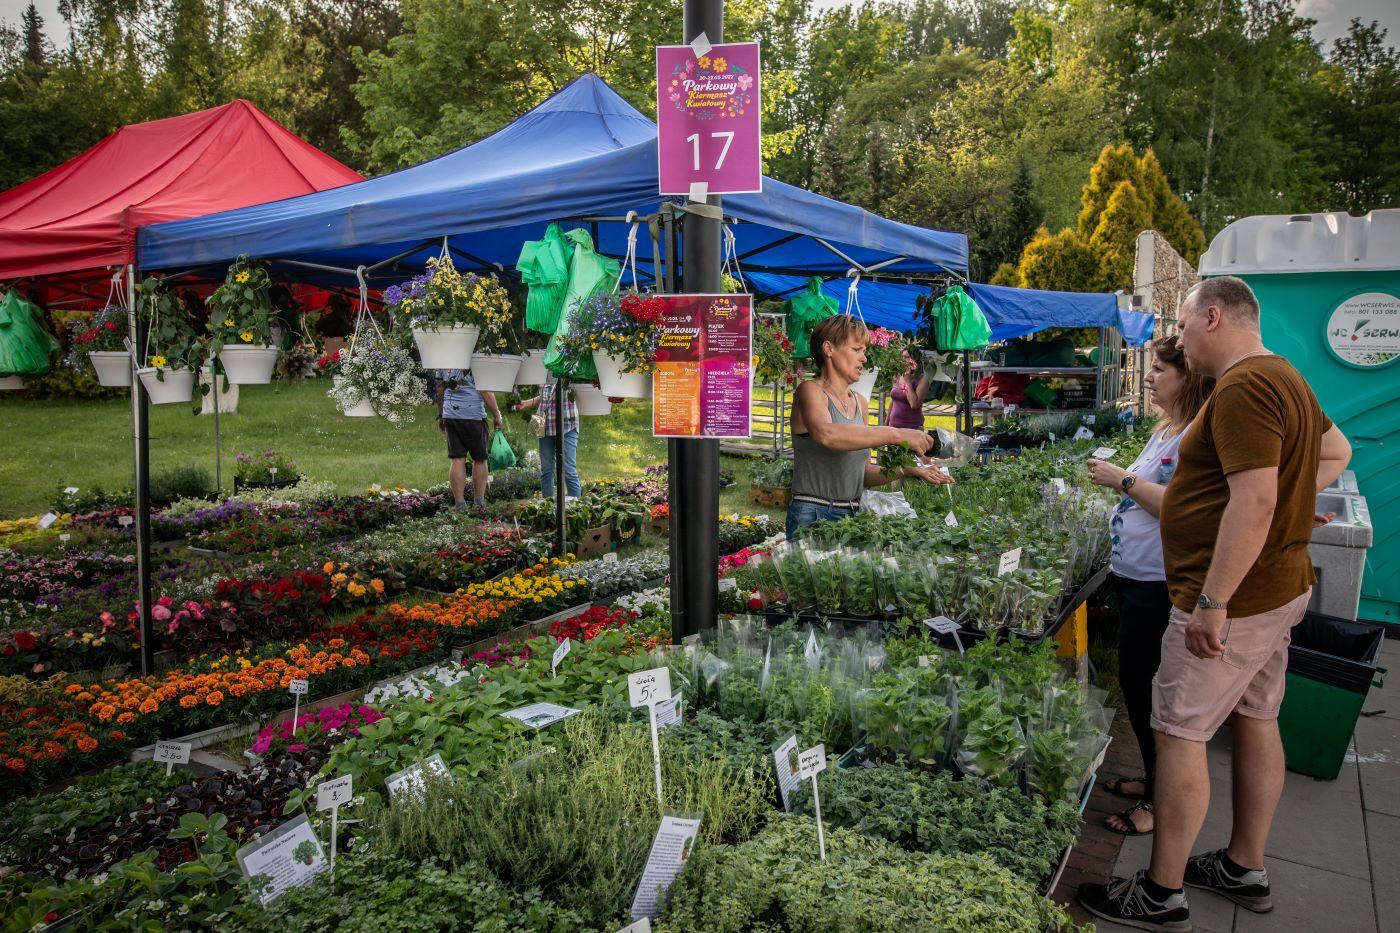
(1127, 482)
(1205, 602)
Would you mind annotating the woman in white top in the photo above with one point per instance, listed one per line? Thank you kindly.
(1144, 608)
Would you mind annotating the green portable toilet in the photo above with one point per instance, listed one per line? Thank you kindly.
(1329, 297)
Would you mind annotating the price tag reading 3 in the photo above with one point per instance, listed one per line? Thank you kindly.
(332, 794)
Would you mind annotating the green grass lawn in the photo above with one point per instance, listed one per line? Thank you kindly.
(52, 444)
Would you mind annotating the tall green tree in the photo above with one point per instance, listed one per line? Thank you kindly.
(1356, 101)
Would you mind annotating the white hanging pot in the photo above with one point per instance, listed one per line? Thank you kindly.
(363, 409)
(11, 383)
(176, 386)
(448, 346)
(613, 381)
(866, 383)
(249, 364)
(591, 401)
(494, 373)
(113, 367)
(228, 394)
(532, 371)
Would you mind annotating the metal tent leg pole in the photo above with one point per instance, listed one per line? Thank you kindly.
(561, 386)
(694, 463)
(218, 436)
(140, 459)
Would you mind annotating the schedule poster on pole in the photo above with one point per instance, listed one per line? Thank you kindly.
(709, 132)
(703, 383)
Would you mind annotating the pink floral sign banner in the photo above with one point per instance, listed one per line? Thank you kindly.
(708, 119)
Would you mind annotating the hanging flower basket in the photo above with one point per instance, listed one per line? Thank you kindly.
(11, 383)
(228, 393)
(591, 400)
(495, 372)
(361, 409)
(613, 381)
(532, 371)
(113, 367)
(167, 386)
(446, 346)
(377, 372)
(865, 385)
(252, 364)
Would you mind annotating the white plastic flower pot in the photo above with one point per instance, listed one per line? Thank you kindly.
(113, 367)
(11, 383)
(447, 347)
(250, 364)
(228, 394)
(532, 371)
(492, 373)
(176, 386)
(361, 410)
(866, 383)
(591, 401)
(613, 381)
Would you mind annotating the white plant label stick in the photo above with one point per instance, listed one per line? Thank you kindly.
(648, 688)
(69, 490)
(125, 521)
(809, 764)
(1010, 562)
(1103, 453)
(951, 520)
(560, 654)
(298, 690)
(945, 626)
(1083, 434)
(48, 519)
(332, 795)
(1059, 485)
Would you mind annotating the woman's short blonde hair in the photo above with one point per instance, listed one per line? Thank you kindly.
(839, 328)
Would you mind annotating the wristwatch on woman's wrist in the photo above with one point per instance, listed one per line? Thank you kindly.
(1127, 482)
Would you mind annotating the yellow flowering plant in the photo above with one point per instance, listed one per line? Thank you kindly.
(621, 325)
(171, 342)
(443, 296)
(240, 310)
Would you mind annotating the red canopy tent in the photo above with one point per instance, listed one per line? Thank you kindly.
(74, 222)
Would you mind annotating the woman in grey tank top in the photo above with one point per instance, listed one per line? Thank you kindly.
(831, 440)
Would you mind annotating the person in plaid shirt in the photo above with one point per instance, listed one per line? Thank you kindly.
(546, 405)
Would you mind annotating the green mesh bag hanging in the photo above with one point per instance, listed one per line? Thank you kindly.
(544, 267)
(958, 323)
(25, 343)
(805, 311)
(589, 274)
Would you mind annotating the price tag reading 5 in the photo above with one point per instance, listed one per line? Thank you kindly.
(645, 688)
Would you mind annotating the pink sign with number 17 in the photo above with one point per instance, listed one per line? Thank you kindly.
(707, 119)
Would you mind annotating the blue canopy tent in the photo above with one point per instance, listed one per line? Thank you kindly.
(1012, 312)
(584, 155)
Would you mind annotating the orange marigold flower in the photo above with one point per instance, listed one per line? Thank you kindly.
(237, 689)
(125, 718)
(188, 701)
(214, 699)
(17, 765)
(149, 705)
(87, 744)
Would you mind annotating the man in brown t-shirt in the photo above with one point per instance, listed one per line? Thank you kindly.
(1236, 521)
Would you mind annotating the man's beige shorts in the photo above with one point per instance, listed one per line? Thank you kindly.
(1192, 697)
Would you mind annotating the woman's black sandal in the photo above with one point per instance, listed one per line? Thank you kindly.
(1127, 817)
(1115, 786)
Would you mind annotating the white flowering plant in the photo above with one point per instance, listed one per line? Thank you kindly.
(382, 373)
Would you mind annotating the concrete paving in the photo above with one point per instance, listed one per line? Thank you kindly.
(1334, 852)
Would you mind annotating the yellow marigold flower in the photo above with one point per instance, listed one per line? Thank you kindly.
(241, 277)
(157, 361)
(246, 336)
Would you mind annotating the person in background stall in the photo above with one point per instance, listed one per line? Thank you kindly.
(831, 439)
(547, 419)
(907, 397)
(462, 417)
(1144, 606)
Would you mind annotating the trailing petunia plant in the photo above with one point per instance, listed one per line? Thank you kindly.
(891, 353)
(103, 332)
(621, 325)
(772, 352)
(240, 310)
(172, 343)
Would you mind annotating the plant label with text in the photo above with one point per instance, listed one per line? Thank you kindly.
(298, 687)
(942, 625)
(645, 688)
(125, 521)
(69, 490)
(332, 794)
(1083, 434)
(1059, 485)
(48, 519)
(172, 752)
(1010, 562)
(811, 762)
(1103, 453)
(560, 654)
(951, 521)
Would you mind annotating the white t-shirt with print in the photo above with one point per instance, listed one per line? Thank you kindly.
(1137, 537)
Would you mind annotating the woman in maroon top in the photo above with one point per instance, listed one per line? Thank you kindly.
(907, 397)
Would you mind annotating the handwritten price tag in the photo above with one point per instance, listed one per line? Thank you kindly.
(332, 794)
(560, 654)
(1010, 562)
(811, 762)
(176, 753)
(298, 687)
(647, 687)
(1103, 453)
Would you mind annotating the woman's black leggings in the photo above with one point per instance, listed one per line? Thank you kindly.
(1144, 611)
